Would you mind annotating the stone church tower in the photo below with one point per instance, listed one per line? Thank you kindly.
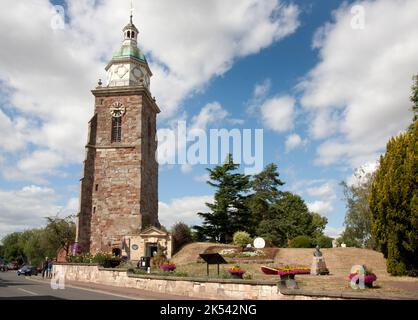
(119, 191)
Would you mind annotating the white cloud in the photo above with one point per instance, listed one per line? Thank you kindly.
(211, 113)
(46, 74)
(278, 113)
(294, 141)
(202, 178)
(358, 94)
(260, 93)
(361, 174)
(319, 206)
(324, 191)
(183, 209)
(27, 207)
(333, 232)
(186, 168)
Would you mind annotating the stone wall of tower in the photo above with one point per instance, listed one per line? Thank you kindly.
(149, 166)
(119, 187)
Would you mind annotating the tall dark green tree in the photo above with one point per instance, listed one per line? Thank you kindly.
(11, 247)
(265, 186)
(394, 203)
(287, 218)
(358, 216)
(229, 212)
(414, 98)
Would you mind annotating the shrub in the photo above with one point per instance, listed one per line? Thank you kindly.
(324, 241)
(181, 236)
(241, 238)
(301, 242)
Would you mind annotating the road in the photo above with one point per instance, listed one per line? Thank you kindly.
(13, 286)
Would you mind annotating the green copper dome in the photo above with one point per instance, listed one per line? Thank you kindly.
(129, 52)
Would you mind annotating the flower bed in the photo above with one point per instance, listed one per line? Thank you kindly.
(236, 272)
(168, 266)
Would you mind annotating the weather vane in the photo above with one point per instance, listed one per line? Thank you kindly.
(132, 9)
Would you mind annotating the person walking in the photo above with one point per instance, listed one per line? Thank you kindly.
(50, 264)
(45, 268)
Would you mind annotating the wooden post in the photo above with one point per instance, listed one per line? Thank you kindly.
(218, 269)
(207, 268)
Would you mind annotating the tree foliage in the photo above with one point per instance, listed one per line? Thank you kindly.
(357, 220)
(289, 217)
(181, 235)
(229, 212)
(394, 203)
(32, 246)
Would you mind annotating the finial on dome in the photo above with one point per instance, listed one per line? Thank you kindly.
(132, 10)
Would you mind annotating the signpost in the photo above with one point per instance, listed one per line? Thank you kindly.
(212, 258)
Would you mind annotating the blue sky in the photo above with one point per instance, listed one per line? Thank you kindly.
(327, 90)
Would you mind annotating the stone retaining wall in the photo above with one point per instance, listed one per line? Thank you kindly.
(188, 287)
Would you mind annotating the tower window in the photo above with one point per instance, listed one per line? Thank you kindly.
(132, 34)
(97, 187)
(94, 209)
(116, 129)
(128, 34)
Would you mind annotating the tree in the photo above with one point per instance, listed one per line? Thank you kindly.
(181, 235)
(265, 186)
(59, 233)
(229, 212)
(414, 98)
(12, 250)
(318, 225)
(394, 203)
(287, 218)
(358, 216)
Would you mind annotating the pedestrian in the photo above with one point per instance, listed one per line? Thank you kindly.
(50, 264)
(45, 267)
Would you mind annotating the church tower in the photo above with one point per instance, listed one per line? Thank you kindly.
(119, 191)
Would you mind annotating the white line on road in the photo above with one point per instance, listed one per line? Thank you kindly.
(98, 291)
(27, 291)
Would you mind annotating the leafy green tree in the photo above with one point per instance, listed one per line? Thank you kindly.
(287, 218)
(1, 251)
(229, 212)
(242, 238)
(301, 242)
(12, 247)
(181, 235)
(323, 241)
(318, 225)
(59, 233)
(358, 216)
(394, 203)
(265, 187)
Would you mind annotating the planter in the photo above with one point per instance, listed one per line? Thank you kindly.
(237, 275)
(287, 277)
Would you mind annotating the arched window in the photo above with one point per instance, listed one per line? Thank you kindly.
(133, 34)
(128, 34)
(116, 129)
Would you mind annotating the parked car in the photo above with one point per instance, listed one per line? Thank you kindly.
(27, 271)
(13, 266)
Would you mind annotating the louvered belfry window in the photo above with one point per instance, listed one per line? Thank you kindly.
(116, 129)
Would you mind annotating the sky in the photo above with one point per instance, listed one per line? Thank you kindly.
(327, 81)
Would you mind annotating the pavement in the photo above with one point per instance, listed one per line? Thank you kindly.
(14, 287)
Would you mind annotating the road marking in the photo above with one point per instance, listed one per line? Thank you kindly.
(94, 290)
(27, 291)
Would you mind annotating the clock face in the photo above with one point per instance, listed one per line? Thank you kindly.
(117, 110)
(137, 73)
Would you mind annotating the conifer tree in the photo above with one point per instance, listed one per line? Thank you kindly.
(229, 212)
(394, 203)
